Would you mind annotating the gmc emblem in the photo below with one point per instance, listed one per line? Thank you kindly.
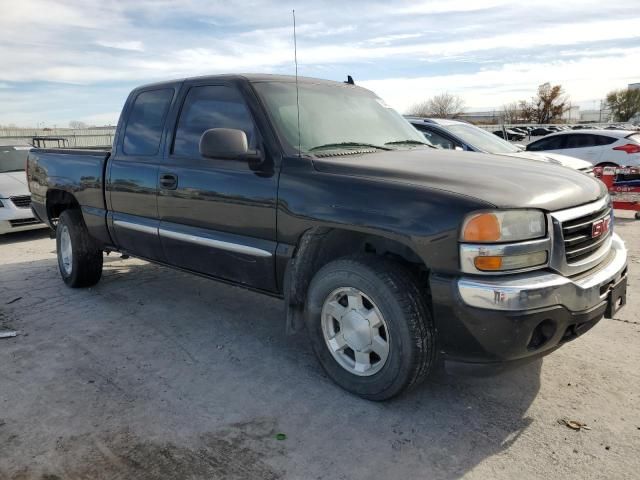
(600, 227)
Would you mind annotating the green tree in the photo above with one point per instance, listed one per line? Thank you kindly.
(624, 104)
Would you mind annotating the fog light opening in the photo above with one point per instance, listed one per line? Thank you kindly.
(542, 334)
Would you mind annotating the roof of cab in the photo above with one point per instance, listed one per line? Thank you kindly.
(251, 77)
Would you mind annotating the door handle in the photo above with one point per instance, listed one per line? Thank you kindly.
(169, 181)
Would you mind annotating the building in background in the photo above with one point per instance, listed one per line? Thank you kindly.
(601, 115)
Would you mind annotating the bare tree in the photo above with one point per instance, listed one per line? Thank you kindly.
(444, 105)
(77, 124)
(548, 105)
(510, 112)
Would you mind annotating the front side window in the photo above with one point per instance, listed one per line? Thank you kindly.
(209, 107)
(144, 128)
(436, 139)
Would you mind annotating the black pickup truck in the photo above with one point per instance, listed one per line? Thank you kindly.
(392, 254)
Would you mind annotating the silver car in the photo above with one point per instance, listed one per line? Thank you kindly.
(15, 199)
(453, 134)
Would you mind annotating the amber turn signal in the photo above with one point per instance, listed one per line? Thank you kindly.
(488, 264)
(484, 227)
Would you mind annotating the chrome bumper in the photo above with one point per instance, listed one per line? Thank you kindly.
(528, 291)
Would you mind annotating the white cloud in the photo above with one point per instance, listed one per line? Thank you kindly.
(134, 45)
(100, 119)
(504, 48)
(583, 80)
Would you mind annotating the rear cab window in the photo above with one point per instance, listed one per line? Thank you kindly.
(146, 121)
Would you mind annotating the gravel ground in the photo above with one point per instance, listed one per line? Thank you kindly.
(155, 374)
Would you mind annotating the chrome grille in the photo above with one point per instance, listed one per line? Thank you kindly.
(577, 235)
(23, 201)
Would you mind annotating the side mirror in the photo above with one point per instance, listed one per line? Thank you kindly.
(227, 143)
(459, 148)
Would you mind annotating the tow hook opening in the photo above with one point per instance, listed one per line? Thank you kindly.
(543, 332)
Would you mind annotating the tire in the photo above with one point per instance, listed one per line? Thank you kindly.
(389, 297)
(79, 258)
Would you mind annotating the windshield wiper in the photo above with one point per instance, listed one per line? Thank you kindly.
(409, 142)
(347, 145)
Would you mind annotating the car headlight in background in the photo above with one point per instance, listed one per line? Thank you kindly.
(503, 241)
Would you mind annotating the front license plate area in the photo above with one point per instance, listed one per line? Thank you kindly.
(617, 298)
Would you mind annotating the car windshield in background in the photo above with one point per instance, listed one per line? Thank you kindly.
(13, 159)
(481, 139)
(335, 118)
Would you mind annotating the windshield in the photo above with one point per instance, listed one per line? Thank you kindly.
(335, 117)
(481, 139)
(13, 159)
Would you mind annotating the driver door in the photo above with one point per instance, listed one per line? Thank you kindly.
(217, 216)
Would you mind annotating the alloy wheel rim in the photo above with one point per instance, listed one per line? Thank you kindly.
(66, 251)
(355, 331)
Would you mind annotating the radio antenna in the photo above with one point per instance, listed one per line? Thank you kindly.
(295, 59)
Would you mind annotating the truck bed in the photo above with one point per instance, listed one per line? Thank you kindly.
(78, 172)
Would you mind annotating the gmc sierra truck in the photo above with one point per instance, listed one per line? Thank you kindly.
(392, 254)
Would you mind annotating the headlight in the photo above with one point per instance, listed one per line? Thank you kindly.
(503, 226)
(504, 241)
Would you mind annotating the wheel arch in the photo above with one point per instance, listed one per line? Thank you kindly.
(320, 245)
(57, 201)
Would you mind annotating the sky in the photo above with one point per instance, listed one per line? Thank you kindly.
(64, 60)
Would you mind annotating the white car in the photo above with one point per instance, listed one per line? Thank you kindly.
(15, 199)
(456, 135)
(598, 147)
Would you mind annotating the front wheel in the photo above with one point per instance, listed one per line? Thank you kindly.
(370, 326)
(79, 259)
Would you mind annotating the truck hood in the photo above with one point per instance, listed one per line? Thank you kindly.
(13, 184)
(564, 160)
(505, 182)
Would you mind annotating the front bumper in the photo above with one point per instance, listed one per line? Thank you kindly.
(499, 319)
(14, 219)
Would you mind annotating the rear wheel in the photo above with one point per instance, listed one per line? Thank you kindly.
(79, 258)
(370, 326)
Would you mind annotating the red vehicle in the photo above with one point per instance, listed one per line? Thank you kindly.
(625, 192)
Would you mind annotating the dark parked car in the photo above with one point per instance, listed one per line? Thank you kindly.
(391, 254)
(511, 135)
(538, 131)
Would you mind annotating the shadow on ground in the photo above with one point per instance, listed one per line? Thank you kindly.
(157, 374)
(26, 236)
